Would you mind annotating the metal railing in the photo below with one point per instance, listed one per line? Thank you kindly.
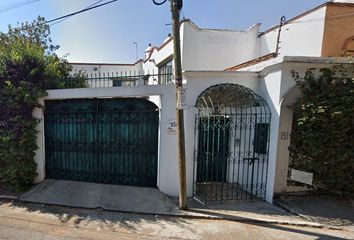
(113, 79)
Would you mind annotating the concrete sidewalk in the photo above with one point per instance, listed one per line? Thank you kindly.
(104, 196)
(151, 201)
(255, 211)
(323, 209)
(7, 194)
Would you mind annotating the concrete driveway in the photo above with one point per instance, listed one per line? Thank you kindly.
(104, 196)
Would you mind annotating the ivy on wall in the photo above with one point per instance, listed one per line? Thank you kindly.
(322, 140)
(28, 66)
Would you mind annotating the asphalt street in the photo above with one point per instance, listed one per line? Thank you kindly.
(32, 222)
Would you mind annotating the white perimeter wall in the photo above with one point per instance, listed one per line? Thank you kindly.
(268, 88)
(167, 160)
(287, 97)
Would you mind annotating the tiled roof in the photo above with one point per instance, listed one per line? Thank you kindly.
(252, 62)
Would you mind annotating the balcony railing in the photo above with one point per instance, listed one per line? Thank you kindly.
(107, 80)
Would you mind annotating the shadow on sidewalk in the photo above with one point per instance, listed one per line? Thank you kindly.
(325, 209)
(109, 220)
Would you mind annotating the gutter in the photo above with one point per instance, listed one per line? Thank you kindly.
(305, 60)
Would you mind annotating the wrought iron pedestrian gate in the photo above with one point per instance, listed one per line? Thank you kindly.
(112, 141)
(231, 145)
(214, 133)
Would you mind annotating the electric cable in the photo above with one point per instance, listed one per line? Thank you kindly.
(59, 21)
(159, 3)
(16, 5)
(78, 12)
(70, 14)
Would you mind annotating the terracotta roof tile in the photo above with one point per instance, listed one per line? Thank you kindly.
(252, 62)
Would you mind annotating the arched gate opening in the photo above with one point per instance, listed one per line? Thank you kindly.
(231, 144)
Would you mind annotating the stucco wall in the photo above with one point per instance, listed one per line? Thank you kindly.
(208, 49)
(162, 54)
(300, 37)
(285, 126)
(149, 67)
(288, 95)
(157, 57)
(167, 161)
(165, 96)
(269, 90)
(267, 86)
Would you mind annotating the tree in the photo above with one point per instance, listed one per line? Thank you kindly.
(323, 127)
(28, 66)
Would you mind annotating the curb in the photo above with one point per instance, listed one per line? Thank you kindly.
(255, 221)
(284, 207)
(8, 197)
(185, 216)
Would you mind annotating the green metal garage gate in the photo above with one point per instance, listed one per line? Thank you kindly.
(111, 141)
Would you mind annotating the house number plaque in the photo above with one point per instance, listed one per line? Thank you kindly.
(172, 126)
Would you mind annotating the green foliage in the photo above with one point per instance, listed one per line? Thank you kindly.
(28, 66)
(323, 128)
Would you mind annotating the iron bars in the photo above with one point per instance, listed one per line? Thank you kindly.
(232, 133)
(112, 141)
(113, 79)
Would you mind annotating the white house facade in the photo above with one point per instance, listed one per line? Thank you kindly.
(238, 96)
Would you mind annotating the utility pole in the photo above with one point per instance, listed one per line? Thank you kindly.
(176, 6)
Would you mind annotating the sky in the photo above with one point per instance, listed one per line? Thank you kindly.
(107, 34)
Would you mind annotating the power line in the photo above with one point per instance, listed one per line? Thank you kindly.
(159, 3)
(94, 4)
(78, 12)
(62, 18)
(71, 16)
(16, 5)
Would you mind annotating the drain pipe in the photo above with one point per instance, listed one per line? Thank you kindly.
(282, 22)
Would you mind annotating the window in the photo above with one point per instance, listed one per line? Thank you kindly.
(165, 73)
(261, 138)
(348, 48)
(117, 83)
